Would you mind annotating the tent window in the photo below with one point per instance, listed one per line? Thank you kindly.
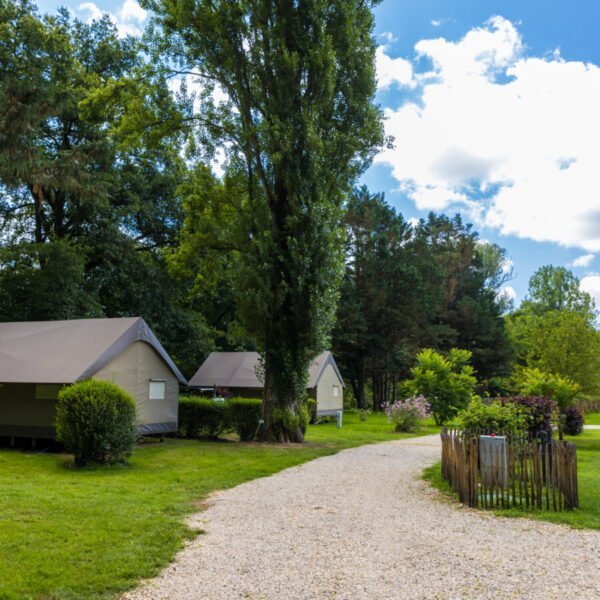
(47, 391)
(335, 391)
(157, 389)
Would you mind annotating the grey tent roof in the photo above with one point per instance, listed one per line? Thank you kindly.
(238, 370)
(68, 351)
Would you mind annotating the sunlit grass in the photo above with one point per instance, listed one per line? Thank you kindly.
(69, 534)
(592, 419)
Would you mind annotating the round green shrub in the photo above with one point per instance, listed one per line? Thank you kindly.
(96, 421)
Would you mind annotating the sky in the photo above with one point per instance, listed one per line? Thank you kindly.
(493, 109)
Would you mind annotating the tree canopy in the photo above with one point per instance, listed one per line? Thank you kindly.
(226, 213)
(300, 124)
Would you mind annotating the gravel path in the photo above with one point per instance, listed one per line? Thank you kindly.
(361, 524)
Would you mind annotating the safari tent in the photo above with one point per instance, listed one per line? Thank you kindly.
(38, 358)
(235, 373)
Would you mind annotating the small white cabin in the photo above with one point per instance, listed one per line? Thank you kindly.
(234, 373)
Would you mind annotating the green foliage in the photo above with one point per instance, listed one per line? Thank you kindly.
(90, 167)
(285, 420)
(533, 382)
(572, 420)
(541, 414)
(557, 289)
(202, 418)
(363, 414)
(496, 268)
(386, 297)
(96, 421)
(563, 342)
(447, 383)
(44, 281)
(243, 415)
(469, 313)
(299, 125)
(495, 417)
(405, 287)
(311, 406)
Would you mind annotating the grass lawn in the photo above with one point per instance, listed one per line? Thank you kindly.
(74, 534)
(588, 471)
(592, 419)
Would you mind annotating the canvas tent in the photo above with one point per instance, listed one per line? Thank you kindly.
(38, 358)
(235, 373)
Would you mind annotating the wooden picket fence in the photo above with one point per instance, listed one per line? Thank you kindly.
(535, 475)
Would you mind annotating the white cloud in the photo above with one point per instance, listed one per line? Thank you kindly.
(128, 20)
(508, 292)
(591, 285)
(392, 70)
(511, 139)
(437, 22)
(583, 261)
(132, 11)
(387, 36)
(507, 266)
(95, 12)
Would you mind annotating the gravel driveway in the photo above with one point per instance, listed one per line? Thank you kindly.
(360, 524)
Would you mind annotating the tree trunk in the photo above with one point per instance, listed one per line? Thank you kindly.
(360, 397)
(280, 413)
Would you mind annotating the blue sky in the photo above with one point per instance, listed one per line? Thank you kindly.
(493, 107)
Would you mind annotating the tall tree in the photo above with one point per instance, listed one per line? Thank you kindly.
(562, 342)
(469, 315)
(88, 178)
(385, 301)
(557, 288)
(300, 121)
(555, 329)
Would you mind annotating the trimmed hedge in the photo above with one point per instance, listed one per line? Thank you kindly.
(96, 421)
(201, 418)
(244, 415)
(204, 418)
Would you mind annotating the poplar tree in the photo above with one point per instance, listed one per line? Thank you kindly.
(299, 121)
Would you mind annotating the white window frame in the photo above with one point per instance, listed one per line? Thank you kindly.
(153, 386)
(335, 391)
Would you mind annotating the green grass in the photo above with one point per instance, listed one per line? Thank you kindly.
(74, 534)
(592, 419)
(587, 516)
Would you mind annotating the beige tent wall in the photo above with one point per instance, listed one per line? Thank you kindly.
(132, 370)
(327, 403)
(22, 414)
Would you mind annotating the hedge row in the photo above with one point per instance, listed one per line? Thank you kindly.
(205, 418)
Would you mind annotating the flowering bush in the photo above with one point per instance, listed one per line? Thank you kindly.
(409, 413)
